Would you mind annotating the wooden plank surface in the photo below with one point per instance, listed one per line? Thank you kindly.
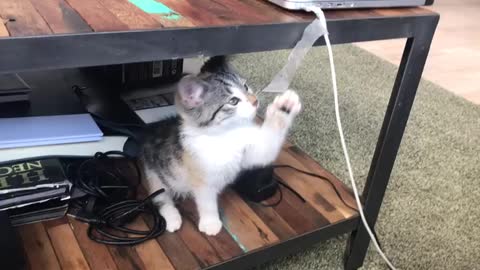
(177, 251)
(172, 245)
(65, 245)
(254, 11)
(227, 12)
(97, 16)
(313, 189)
(243, 224)
(302, 217)
(60, 17)
(78, 16)
(102, 256)
(223, 244)
(22, 19)
(130, 15)
(97, 255)
(302, 184)
(271, 13)
(197, 14)
(38, 247)
(126, 258)
(272, 218)
(166, 12)
(198, 244)
(248, 226)
(147, 249)
(312, 166)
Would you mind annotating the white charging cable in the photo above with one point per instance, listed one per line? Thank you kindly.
(281, 82)
(321, 17)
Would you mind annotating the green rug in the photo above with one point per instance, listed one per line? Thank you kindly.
(430, 215)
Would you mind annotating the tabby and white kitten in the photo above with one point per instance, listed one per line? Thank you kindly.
(214, 136)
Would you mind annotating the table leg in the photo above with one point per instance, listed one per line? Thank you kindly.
(11, 249)
(396, 116)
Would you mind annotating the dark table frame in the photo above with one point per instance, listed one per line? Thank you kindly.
(93, 49)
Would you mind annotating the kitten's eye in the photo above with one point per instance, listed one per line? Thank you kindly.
(248, 89)
(234, 101)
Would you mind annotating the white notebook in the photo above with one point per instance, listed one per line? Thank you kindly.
(47, 130)
(86, 149)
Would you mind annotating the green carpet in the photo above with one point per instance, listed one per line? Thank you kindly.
(430, 215)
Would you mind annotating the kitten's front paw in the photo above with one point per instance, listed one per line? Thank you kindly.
(210, 226)
(283, 110)
(172, 217)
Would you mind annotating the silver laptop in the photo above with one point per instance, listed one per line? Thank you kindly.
(349, 4)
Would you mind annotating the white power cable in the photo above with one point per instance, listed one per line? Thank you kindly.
(282, 81)
(322, 19)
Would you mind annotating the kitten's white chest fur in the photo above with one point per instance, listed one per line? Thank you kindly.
(220, 153)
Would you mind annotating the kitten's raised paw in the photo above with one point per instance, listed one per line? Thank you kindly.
(210, 226)
(288, 102)
(172, 217)
(283, 110)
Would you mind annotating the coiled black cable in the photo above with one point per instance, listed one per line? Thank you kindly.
(114, 217)
(107, 206)
(93, 178)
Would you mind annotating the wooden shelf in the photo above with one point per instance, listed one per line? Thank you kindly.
(46, 18)
(252, 233)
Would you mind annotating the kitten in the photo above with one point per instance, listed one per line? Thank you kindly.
(215, 136)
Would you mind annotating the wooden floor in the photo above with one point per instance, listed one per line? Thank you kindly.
(63, 244)
(454, 59)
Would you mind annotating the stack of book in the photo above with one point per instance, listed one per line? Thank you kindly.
(13, 88)
(34, 190)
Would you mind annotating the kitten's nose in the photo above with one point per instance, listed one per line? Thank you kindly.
(253, 100)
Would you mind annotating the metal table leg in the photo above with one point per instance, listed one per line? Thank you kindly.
(396, 116)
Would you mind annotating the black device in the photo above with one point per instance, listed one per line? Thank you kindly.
(13, 89)
(143, 74)
(37, 212)
(257, 184)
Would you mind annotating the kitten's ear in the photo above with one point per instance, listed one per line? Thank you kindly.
(191, 91)
(215, 64)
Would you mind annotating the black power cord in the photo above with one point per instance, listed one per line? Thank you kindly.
(280, 196)
(114, 218)
(300, 196)
(109, 205)
(95, 179)
(316, 176)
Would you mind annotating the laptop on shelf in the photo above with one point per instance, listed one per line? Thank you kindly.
(349, 4)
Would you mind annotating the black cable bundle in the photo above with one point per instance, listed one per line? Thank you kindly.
(109, 204)
(114, 217)
(109, 183)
